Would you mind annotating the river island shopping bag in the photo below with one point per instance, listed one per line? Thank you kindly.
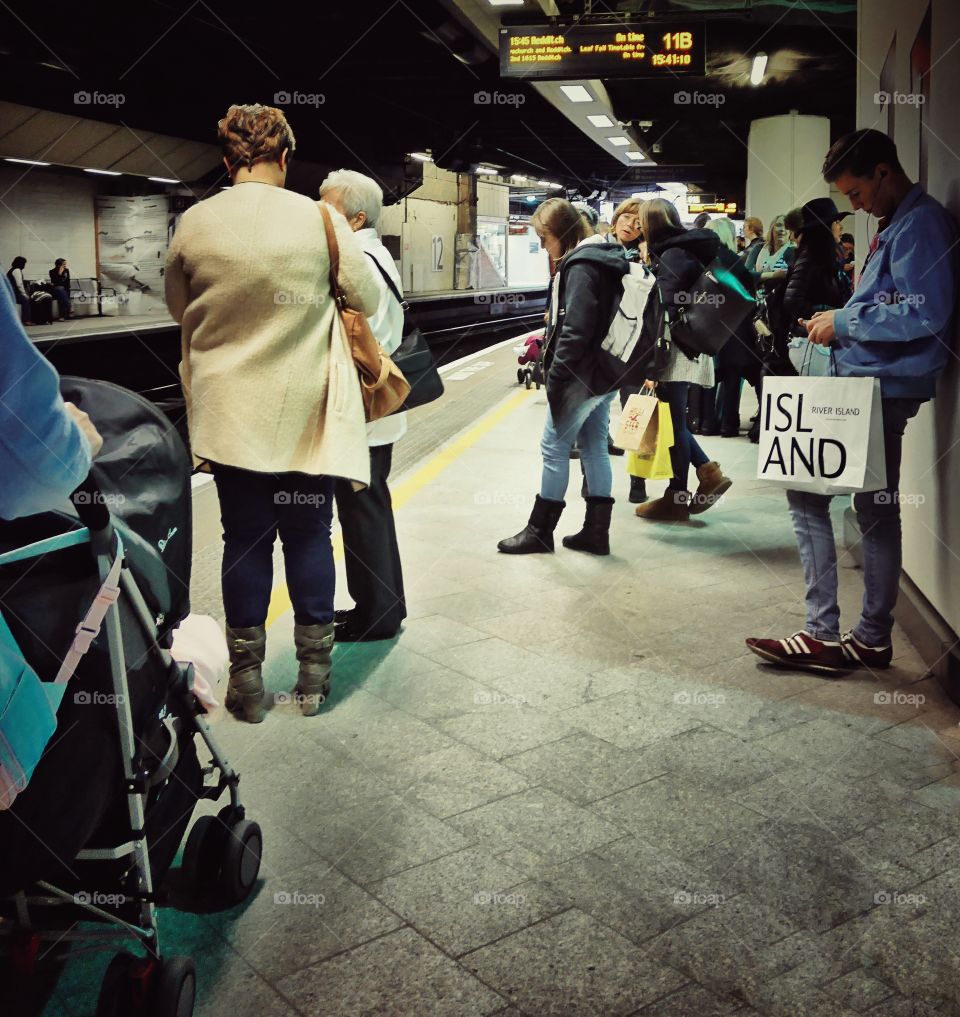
(657, 464)
(823, 435)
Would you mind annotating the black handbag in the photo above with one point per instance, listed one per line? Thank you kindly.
(715, 307)
(413, 355)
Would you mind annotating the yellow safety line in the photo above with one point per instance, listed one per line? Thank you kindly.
(403, 492)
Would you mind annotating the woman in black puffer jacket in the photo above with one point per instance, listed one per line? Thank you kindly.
(585, 294)
(679, 256)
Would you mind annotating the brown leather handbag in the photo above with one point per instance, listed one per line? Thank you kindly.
(382, 383)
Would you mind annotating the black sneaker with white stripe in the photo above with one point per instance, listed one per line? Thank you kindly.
(803, 653)
(860, 655)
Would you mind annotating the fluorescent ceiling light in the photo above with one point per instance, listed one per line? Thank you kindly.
(519, 178)
(486, 169)
(506, 3)
(421, 156)
(163, 180)
(600, 120)
(27, 162)
(635, 155)
(619, 141)
(106, 173)
(546, 183)
(758, 69)
(576, 93)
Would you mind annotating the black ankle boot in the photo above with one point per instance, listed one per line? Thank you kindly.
(638, 490)
(595, 535)
(537, 536)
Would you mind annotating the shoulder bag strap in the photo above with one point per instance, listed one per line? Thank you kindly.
(334, 252)
(390, 283)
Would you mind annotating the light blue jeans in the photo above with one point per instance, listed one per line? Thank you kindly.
(590, 422)
(878, 513)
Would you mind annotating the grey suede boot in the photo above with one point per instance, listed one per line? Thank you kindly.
(314, 644)
(247, 648)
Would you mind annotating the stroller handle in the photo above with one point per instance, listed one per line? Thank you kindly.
(89, 502)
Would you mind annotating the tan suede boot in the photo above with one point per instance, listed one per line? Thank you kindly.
(671, 508)
(713, 486)
(247, 648)
(314, 645)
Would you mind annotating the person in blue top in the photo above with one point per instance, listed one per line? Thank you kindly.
(46, 445)
(897, 326)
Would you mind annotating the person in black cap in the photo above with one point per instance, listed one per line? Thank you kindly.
(813, 282)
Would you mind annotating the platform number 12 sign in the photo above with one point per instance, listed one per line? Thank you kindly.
(436, 248)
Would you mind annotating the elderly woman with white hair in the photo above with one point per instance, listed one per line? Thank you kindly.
(372, 558)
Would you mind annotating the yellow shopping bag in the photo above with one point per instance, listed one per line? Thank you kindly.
(656, 466)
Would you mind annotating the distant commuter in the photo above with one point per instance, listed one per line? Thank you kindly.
(738, 359)
(60, 281)
(678, 257)
(45, 444)
(273, 398)
(753, 237)
(700, 223)
(19, 286)
(584, 295)
(897, 327)
(848, 251)
(371, 556)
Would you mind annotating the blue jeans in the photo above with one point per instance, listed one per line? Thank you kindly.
(63, 299)
(590, 422)
(254, 508)
(686, 449)
(878, 514)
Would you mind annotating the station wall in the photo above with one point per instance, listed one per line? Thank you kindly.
(893, 56)
(45, 216)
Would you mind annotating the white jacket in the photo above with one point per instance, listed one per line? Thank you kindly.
(387, 327)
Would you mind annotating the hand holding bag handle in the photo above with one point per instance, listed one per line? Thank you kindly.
(382, 384)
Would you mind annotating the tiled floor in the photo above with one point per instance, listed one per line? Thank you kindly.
(567, 789)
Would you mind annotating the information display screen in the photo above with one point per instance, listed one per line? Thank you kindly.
(630, 50)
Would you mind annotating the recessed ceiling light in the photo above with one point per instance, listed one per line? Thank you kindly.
(506, 3)
(619, 141)
(487, 170)
(758, 69)
(576, 93)
(163, 180)
(421, 156)
(105, 173)
(600, 120)
(634, 155)
(27, 162)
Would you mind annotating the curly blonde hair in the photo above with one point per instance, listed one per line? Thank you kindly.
(250, 134)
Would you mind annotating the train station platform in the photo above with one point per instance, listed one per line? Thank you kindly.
(566, 788)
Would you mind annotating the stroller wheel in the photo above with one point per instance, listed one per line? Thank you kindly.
(527, 379)
(241, 861)
(174, 988)
(203, 853)
(122, 989)
(520, 374)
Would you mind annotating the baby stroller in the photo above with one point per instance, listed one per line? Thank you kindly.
(530, 348)
(92, 834)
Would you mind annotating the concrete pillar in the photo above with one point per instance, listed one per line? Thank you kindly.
(467, 246)
(784, 160)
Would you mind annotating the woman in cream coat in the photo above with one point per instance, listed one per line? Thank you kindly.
(273, 399)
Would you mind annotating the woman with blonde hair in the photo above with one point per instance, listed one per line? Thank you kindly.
(580, 385)
(273, 399)
(625, 225)
(678, 257)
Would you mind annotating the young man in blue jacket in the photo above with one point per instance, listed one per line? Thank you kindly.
(897, 327)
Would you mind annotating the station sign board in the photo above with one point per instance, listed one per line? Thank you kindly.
(721, 207)
(660, 49)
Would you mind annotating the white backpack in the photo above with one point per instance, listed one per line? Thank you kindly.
(626, 327)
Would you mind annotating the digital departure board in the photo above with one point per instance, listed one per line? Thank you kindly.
(632, 50)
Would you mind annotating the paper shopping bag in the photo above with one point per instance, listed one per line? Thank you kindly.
(823, 435)
(655, 465)
(637, 429)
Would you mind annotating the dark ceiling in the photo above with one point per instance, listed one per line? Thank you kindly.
(392, 82)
